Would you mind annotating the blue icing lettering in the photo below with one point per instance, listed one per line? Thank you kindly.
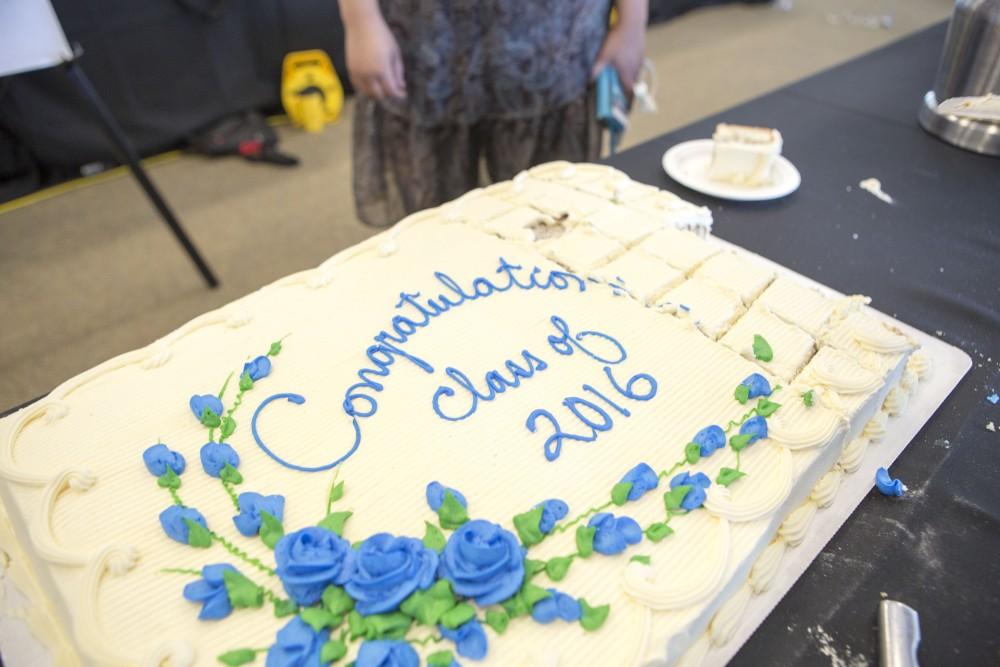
(298, 399)
(566, 343)
(495, 382)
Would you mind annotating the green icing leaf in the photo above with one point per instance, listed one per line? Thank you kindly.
(645, 560)
(332, 651)
(742, 393)
(557, 567)
(169, 480)
(439, 659)
(585, 540)
(762, 349)
(657, 531)
(336, 492)
(230, 474)
(514, 606)
(283, 608)
(198, 535)
(673, 498)
(210, 419)
(427, 607)
(452, 513)
(387, 626)
(240, 656)
(319, 618)
(336, 600)
(727, 476)
(532, 594)
(766, 408)
(242, 592)
(533, 567)
(275, 349)
(458, 615)
(246, 382)
(692, 452)
(355, 624)
(619, 493)
(521, 603)
(593, 617)
(807, 398)
(498, 620)
(738, 442)
(227, 427)
(433, 537)
(526, 525)
(270, 530)
(335, 521)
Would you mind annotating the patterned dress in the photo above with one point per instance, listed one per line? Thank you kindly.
(500, 83)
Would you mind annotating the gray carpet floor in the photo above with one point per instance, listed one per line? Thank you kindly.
(91, 272)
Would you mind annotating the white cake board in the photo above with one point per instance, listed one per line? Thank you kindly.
(950, 365)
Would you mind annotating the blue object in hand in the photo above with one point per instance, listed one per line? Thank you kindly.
(612, 107)
(888, 486)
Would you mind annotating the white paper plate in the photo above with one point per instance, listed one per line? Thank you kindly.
(687, 163)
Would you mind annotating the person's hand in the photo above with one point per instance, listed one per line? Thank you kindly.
(374, 62)
(624, 49)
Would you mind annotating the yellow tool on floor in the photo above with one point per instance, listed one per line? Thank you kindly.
(311, 92)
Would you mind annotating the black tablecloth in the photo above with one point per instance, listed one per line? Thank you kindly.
(932, 261)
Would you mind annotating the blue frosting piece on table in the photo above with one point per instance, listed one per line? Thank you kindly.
(888, 486)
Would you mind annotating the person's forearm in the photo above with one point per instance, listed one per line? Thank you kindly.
(354, 12)
(632, 14)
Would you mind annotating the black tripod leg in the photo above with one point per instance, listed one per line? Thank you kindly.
(127, 154)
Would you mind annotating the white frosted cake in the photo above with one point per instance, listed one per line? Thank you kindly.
(744, 155)
(539, 425)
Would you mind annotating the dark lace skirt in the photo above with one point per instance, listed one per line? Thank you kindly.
(400, 167)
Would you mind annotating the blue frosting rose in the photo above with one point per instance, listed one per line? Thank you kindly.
(172, 520)
(206, 402)
(613, 534)
(215, 456)
(469, 638)
(484, 562)
(159, 458)
(757, 384)
(386, 653)
(756, 428)
(211, 592)
(553, 510)
(643, 479)
(557, 605)
(258, 368)
(251, 505)
(311, 559)
(387, 570)
(710, 439)
(435, 495)
(696, 495)
(297, 645)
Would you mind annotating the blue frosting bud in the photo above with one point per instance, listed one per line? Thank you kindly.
(710, 439)
(613, 535)
(435, 495)
(387, 570)
(484, 562)
(385, 653)
(757, 384)
(756, 428)
(888, 486)
(643, 479)
(159, 458)
(251, 505)
(557, 605)
(553, 510)
(696, 495)
(172, 520)
(298, 645)
(469, 638)
(311, 559)
(215, 456)
(211, 592)
(258, 368)
(206, 401)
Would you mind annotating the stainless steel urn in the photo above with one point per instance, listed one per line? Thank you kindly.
(970, 67)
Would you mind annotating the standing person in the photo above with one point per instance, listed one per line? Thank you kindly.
(442, 84)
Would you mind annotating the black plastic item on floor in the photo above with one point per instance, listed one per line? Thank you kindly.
(662, 10)
(247, 135)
